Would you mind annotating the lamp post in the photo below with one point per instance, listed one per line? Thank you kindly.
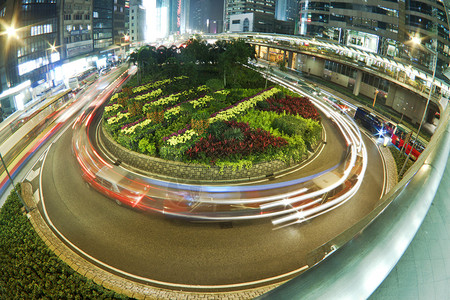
(48, 58)
(375, 97)
(417, 40)
(13, 185)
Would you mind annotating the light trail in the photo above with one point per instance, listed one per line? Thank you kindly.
(293, 200)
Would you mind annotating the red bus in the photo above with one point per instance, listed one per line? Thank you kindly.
(399, 136)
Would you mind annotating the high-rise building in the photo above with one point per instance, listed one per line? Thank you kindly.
(137, 21)
(75, 27)
(119, 21)
(102, 22)
(206, 16)
(184, 16)
(32, 46)
(264, 9)
(286, 10)
(254, 16)
(387, 27)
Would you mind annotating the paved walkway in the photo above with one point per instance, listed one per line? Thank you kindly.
(423, 272)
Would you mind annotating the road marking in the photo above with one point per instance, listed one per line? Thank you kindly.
(144, 279)
(36, 197)
(32, 174)
(383, 162)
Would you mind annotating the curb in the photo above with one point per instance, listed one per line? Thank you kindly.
(111, 281)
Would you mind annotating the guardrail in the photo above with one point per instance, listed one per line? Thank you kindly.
(356, 262)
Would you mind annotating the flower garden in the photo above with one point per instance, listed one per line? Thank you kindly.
(175, 120)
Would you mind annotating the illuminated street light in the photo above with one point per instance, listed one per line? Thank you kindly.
(416, 40)
(11, 32)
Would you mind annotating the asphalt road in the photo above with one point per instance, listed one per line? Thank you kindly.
(176, 251)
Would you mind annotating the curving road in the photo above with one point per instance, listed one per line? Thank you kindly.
(167, 250)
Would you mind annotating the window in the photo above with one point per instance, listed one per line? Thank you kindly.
(236, 22)
(95, 14)
(67, 17)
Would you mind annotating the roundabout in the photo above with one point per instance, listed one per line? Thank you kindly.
(240, 249)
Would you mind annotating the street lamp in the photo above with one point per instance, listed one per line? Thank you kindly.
(11, 32)
(48, 58)
(416, 40)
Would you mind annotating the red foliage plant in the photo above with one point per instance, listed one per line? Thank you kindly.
(294, 106)
(255, 141)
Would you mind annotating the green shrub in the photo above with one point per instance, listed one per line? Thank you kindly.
(233, 133)
(400, 158)
(215, 84)
(146, 147)
(290, 125)
(216, 129)
(172, 152)
(263, 105)
(29, 270)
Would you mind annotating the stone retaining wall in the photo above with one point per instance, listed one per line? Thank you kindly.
(185, 171)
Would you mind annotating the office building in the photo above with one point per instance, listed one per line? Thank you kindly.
(137, 21)
(387, 27)
(206, 16)
(286, 10)
(254, 16)
(102, 23)
(119, 22)
(75, 27)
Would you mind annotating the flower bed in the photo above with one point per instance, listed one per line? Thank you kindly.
(253, 141)
(153, 85)
(200, 126)
(293, 105)
(243, 105)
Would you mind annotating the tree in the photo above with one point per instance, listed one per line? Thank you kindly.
(237, 52)
(133, 58)
(161, 55)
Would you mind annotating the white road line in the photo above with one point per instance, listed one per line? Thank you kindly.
(383, 162)
(36, 196)
(148, 280)
(32, 174)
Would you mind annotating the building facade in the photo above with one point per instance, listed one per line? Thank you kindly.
(384, 27)
(102, 22)
(75, 27)
(137, 21)
(287, 10)
(119, 22)
(262, 17)
(206, 16)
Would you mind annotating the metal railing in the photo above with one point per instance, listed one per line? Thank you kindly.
(363, 256)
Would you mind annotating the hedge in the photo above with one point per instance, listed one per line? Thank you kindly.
(29, 270)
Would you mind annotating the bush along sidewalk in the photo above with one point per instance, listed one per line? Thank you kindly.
(29, 270)
(400, 158)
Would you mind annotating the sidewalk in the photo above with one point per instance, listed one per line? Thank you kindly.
(423, 272)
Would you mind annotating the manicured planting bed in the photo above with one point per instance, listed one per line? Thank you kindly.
(29, 270)
(170, 120)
